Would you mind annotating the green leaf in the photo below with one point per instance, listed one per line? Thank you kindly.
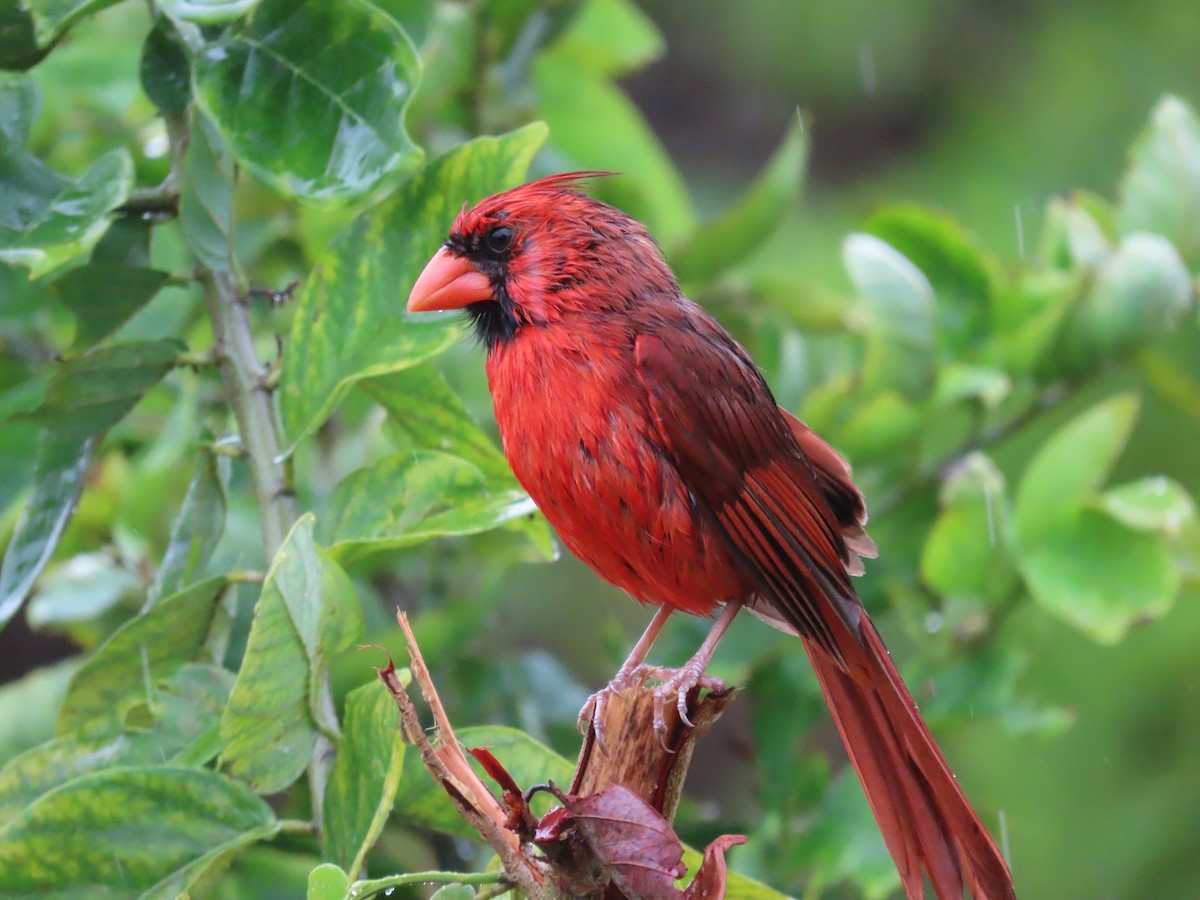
(207, 12)
(427, 415)
(1071, 237)
(84, 398)
(1070, 467)
(1100, 576)
(878, 426)
(165, 72)
(306, 613)
(719, 245)
(47, 220)
(1027, 319)
(348, 323)
(1161, 191)
(962, 274)
(136, 833)
(29, 705)
(960, 381)
(1151, 504)
(327, 882)
(196, 529)
(611, 37)
(1140, 293)
(409, 498)
(965, 557)
(206, 198)
(365, 775)
(185, 717)
(30, 29)
(595, 126)
(91, 393)
(57, 482)
(311, 96)
(430, 416)
(103, 296)
(82, 589)
(899, 307)
(148, 647)
(423, 804)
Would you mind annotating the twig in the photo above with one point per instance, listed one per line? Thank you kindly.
(449, 767)
(365, 889)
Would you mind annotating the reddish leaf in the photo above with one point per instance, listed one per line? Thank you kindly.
(519, 817)
(492, 766)
(632, 840)
(709, 883)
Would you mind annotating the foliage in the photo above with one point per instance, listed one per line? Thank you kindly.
(217, 534)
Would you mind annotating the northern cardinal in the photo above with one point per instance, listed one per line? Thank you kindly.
(654, 447)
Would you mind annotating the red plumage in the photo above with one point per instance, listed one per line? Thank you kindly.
(652, 444)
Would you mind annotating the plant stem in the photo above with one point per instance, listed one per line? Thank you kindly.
(249, 390)
(243, 374)
(364, 889)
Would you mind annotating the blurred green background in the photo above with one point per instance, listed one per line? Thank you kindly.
(1084, 757)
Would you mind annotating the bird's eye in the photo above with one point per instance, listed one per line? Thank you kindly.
(499, 238)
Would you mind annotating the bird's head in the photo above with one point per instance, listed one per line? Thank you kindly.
(537, 253)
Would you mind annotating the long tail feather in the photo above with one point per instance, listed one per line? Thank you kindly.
(929, 827)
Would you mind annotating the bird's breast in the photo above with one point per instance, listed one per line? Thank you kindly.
(578, 431)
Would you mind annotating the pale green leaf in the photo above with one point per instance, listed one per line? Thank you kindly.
(1161, 191)
(426, 414)
(197, 527)
(899, 307)
(207, 12)
(739, 231)
(1151, 504)
(595, 126)
(1100, 576)
(306, 613)
(1070, 467)
(185, 715)
(349, 323)
(365, 775)
(148, 647)
(611, 37)
(410, 498)
(128, 834)
(1141, 292)
(965, 555)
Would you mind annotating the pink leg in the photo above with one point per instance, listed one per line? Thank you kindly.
(681, 681)
(634, 672)
(630, 674)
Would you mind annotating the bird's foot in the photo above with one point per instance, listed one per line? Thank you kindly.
(678, 682)
(593, 710)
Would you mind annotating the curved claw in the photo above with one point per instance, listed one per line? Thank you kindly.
(593, 709)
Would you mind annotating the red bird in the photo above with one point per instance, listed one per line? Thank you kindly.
(652, 444)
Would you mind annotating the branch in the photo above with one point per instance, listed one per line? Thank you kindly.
(449, 768)
(651, 769)
(247, 386)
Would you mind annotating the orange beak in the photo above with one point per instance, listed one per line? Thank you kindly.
(448, 282)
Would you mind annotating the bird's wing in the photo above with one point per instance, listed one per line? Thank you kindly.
(741, 460)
